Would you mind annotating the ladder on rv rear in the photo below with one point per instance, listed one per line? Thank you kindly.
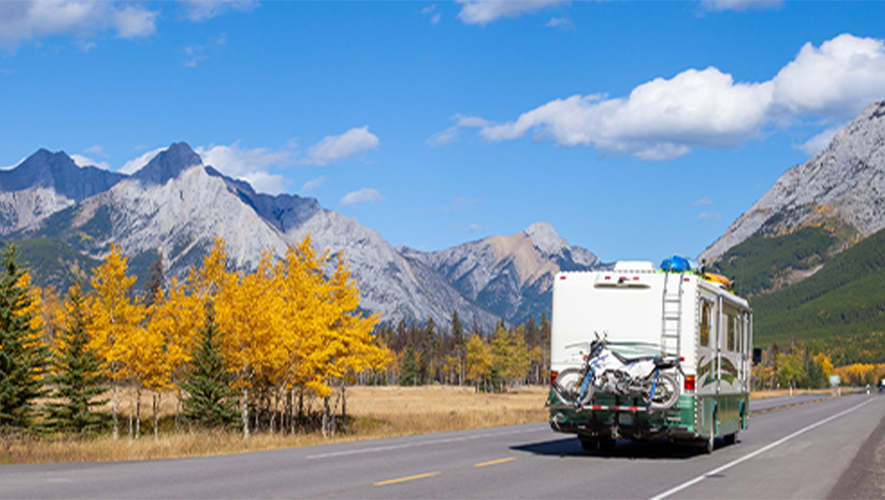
(671, 327)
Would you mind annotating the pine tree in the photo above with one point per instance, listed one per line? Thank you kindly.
(23, 355)
(76, 372)
(409, 373)
(211, 402)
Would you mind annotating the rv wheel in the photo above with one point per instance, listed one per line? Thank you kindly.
(730, 439)
(589, 444)
(607, 443)
(711, 441)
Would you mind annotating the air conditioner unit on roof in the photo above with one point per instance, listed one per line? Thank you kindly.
(634, 265)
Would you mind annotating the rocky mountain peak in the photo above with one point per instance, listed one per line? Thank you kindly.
(846, 181)
(545, 239)
(168, 164)
(39, 169)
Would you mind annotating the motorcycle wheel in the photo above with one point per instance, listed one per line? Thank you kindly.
(666, 392)
(568, 387)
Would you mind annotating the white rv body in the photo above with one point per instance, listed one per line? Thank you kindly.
(644, 311)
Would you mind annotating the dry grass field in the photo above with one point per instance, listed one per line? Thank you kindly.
(375, 412)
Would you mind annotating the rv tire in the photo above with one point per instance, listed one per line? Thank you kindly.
(607, 443)
(589, 444)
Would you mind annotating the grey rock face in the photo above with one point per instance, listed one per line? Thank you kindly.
(177, 205)
(511, 275)
(846, 180)
(44, 184)
(168, 164)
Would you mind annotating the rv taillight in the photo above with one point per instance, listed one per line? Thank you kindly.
(689, 383)
(553, 375)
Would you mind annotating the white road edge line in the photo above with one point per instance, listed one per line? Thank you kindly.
(756, 453)
(412, 445)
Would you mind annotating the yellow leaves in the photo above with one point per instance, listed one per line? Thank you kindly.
(116, 319)
(285, 324)
(478, 361)
(825, 364)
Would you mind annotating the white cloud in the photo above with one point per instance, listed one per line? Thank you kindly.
(203, 10)
(135, 164)
(666, 118)
(469, 228)
(32, 19)
(10, 167)
(83, 161)
(249, 165)
(312, 185)
(722, 5)
(365, 195)
(132, 22)
(836, 80)
(482, 12)
(95, 150)
(709, 216)
(430, 10)
(820, 141)
(661, 119)
(456, 204)
(560, 22)
(264, 182)
(706, 200)
(453, 133)
(335, 148)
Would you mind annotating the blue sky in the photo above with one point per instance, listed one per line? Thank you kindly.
(638, 129)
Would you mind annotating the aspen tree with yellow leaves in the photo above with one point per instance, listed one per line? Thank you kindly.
(116, 322)
(174, 316)
(478, 361)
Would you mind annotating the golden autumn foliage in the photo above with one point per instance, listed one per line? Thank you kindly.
(291, 323)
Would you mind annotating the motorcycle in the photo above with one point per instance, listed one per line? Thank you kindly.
(605, 371)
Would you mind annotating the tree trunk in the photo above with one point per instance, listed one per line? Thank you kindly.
(344, 407)
(177, 408)
(301, 403)
(116, 426)
(156, 416)
(326, 412)
(292, 411)
(245, 413)
(137, 412)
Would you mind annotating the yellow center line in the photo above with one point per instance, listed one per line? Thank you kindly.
(495, 462)
(404, 479)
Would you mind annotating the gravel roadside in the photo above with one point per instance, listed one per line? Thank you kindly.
(865, 477)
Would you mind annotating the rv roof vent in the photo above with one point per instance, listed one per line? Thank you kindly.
(634, 265)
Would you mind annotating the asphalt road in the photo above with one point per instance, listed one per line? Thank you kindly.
(800, 451)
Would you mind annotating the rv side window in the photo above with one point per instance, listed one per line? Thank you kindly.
(731, 319)
(706, 313)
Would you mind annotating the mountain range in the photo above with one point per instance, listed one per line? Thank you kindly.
(175, 205)
(67, 216)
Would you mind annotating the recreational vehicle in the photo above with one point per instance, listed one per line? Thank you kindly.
(640, 313)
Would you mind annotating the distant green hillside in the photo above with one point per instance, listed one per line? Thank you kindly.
(56, 263)
(53, 262)
(764, 263)
(841, 308)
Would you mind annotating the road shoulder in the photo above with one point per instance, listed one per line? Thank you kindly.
(865, 477)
